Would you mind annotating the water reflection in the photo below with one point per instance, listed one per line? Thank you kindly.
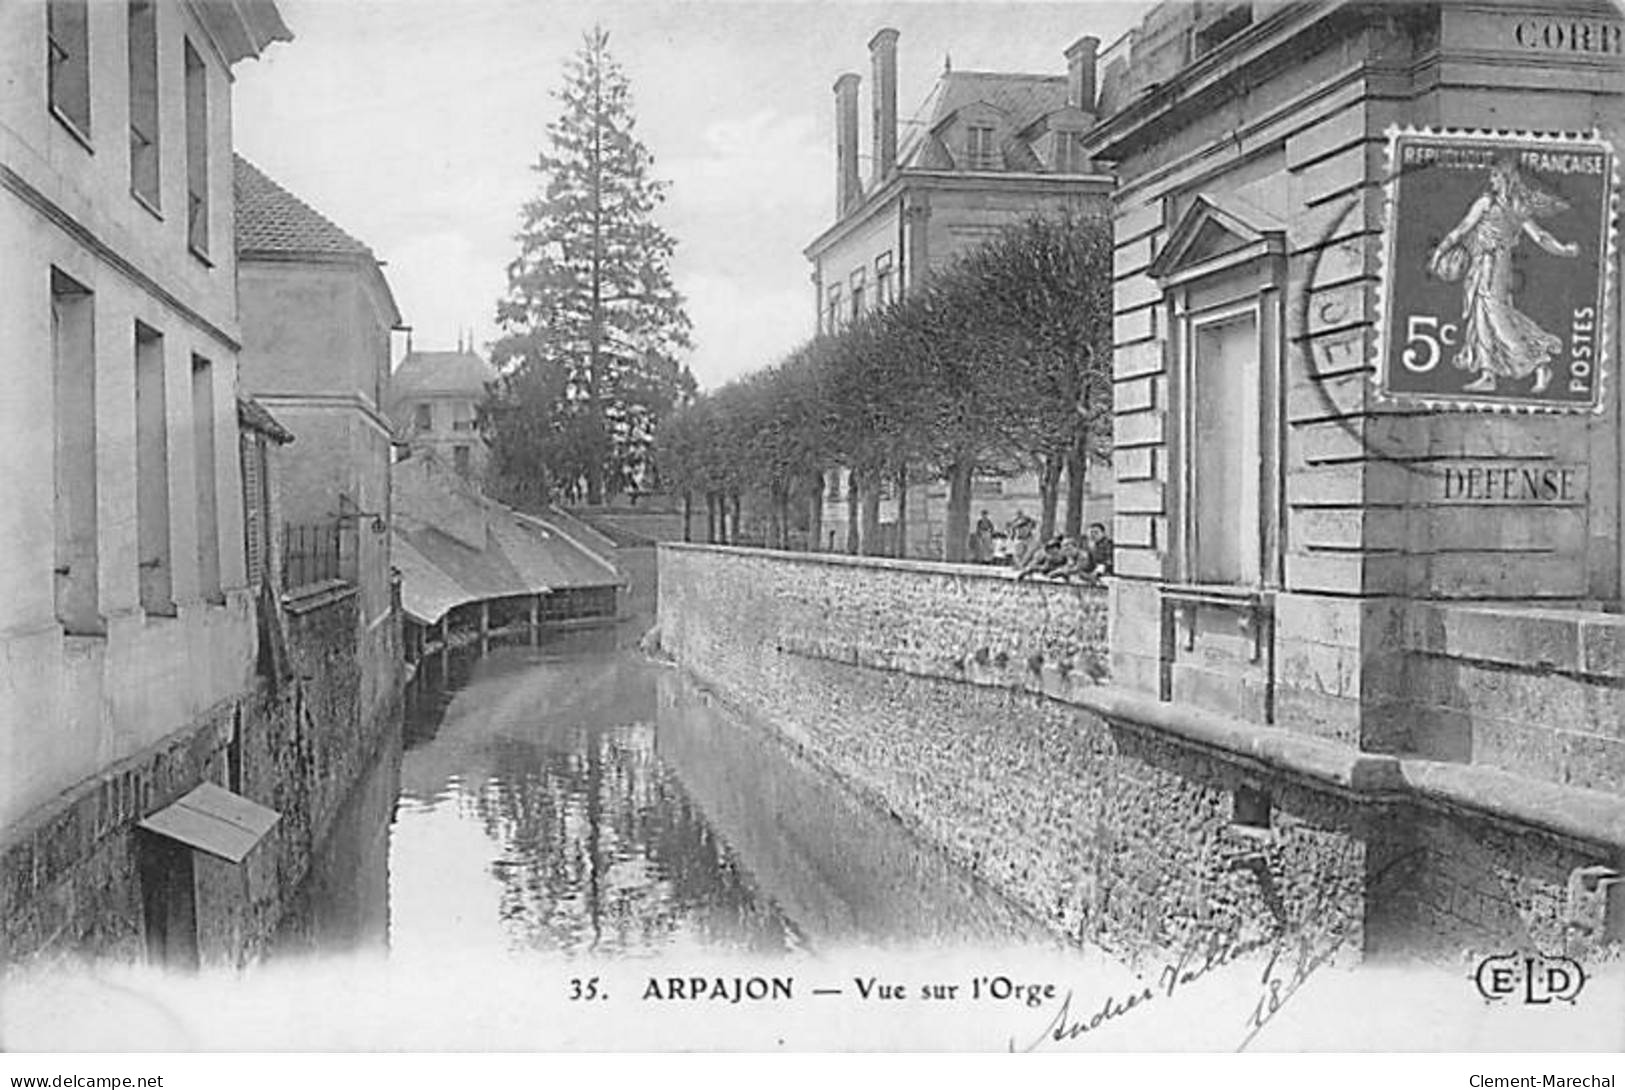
(577, 798)
(343, 904)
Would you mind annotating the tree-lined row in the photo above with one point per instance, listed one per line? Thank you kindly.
(1000, 361)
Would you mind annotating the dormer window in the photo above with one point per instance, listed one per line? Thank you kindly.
(981, 153)
(1069, 156)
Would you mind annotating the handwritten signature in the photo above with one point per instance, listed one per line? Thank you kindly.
(1205, 952)
(1310, 954)
(1294, 959)
(1278, 988)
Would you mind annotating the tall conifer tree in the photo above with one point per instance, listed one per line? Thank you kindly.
(592, 323)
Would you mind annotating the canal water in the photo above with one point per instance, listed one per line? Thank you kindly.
(571, 847)
(578, 798)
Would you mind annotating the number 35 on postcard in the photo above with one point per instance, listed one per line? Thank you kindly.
(1496, 282)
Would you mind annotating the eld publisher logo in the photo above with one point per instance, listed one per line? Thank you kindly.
(1536, 980)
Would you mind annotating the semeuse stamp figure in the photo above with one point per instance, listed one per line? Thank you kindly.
(1497, 339)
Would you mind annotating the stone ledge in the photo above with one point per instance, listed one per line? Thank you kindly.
(1590, 817)
(1314, 758)
(1594, 817)
(1530, 638)
(885, 563)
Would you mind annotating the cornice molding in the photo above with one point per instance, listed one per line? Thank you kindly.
(1208, 73)
(910, 181)
(15, 183)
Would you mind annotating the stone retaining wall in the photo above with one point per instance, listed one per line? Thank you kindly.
(971, 707)
(947, 620)
(69, 874)
(944, 694)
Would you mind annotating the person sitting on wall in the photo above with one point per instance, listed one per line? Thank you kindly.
(1023, 541)
(1098, 551)
(1074, 563)
(1051, 558)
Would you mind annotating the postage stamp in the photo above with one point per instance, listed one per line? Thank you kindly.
(1497, 280)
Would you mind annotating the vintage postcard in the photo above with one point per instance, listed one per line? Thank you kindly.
(744, 526)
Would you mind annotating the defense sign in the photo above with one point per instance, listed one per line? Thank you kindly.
(1499, 250)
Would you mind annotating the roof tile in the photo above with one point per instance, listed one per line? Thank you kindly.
(256, 417)
(271, 220)
(441, 373)
(1020, 97)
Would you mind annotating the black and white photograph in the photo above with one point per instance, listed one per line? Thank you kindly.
(811, 526)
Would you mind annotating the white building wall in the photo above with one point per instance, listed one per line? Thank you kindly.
(859, 252)
(71, 705)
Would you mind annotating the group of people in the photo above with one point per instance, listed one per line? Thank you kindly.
(1060, 557)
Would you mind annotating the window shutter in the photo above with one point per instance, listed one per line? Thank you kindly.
(253, 453)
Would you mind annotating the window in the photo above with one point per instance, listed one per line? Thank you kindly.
(203, 464)
(834, 299)
(883, 281)
(152, 474)
(73, 353)
(833, 492)
(1224, 466)
(143, 36)
(1221, 272)
(980, 151)
(197, 153)
(425, 416)
(460, 459)
(67, 43)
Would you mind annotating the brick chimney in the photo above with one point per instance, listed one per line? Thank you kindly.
(883, 93)
(1080, 73)
(848, 187)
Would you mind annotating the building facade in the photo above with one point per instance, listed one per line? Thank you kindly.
(317, 316)
(176, 734)
(985, 150)
(1368, 486)
(434, 400)
(124, 611)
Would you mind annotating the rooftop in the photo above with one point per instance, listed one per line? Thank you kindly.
(458, 372)
(273, 222)
(257, 418)
(454, 545)
(1023, 98)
